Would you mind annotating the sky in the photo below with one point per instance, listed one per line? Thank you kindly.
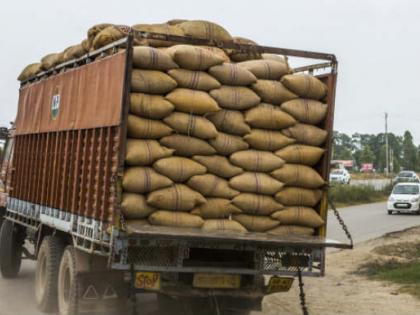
(376, 43)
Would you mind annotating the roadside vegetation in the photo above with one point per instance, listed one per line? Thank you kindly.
(348, 195)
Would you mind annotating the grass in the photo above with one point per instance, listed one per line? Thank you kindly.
(348, 195)
(368, 176)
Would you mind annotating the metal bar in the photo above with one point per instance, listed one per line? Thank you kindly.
(84, 160)
(97, 201)
(39, 153)
(315, 67)
(45, 171)
(76, 173)
(106, 173)
(64, 173)
(90, 173)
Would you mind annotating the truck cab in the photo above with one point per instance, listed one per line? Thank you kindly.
(6, 142)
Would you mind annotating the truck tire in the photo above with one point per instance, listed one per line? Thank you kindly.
(10, 250)
(68, 286)
(46, 276)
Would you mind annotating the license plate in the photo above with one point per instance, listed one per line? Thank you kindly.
(147, 280)
(216, 281)
(279, 284)
(402, 205)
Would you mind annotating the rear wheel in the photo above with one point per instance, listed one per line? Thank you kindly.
(11, 242)
(68, 286)
(389, 212)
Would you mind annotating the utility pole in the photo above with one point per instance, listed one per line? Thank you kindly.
(386, 145)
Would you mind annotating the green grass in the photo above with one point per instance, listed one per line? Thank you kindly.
(347, 195)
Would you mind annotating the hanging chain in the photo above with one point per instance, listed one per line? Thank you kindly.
(341, 221)
(302, 294)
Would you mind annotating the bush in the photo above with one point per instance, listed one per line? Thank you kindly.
(357, 194)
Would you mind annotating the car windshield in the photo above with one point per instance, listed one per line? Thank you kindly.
(405, 174)
(337, 172)
(406, 190)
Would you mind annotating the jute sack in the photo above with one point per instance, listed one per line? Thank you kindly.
(238, 56)
(187, 146)
(211, 185)
(306, 134)
(304, 85)
(301, 154)
(305, 110)
(143, 180)
(204, 29)
(73, 52)
(298, 175)
(192, 101)
(223, 226)
(259, 183)
(226, 144)
(51, 60)
(256, 223)
(256, 161)
(150, 106)
(162, 28)
(235, 97)
(176, 219)
(295, 196)
(279, 58)
(216, 208)
(178, 197)
(267, 116)
(292, 230)
(268, 140)
(256, 204)
(145, 152)
(142, 128)
(273, 92)
(232, 74)
(110, 34)
(151, 81)
(195, 80)
(299, 216)
(136, 225)
(230, 121)
(179, 169)
(152, 59)
(29, 71)
(93, 31)
(191, 125)
(194, 58)
(266, 69)
(218, 165)
(215, 50)
(134, 206)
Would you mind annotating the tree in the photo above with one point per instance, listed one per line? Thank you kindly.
(366, 155)
(410, 158)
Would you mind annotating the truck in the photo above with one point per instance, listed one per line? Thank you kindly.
(62, 172)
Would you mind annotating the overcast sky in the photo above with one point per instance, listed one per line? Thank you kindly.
(376, 42)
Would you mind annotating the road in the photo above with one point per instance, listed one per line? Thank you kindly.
(365, 222)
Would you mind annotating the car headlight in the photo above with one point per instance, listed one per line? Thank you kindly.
(414, 199)
(391, 199)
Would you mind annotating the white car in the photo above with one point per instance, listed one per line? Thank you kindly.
(341, 176)
(404, 198)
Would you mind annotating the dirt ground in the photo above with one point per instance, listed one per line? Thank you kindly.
(343, 292)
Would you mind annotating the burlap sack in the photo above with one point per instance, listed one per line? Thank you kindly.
(235, 97)
(211, 185)
(151, 81)
(30, 71)
(179, 169)
(256, 161)
(299, 216)
(187, 146)
(136, 225)
(279, 58)
(267, 116)
(178, 197)
(268, 140)
(259, 183)
(306, 134)
(230, 121)
(304, 85)
(218, 165)
(52, 60)
(266, 69)
(194, 58)
(143, 180)
(295, 196)
(284, 230)
(305, 110)
(273, 92)
(195, 80)
(298, 175)
(238, 56)
(162, 28)
(110, 34)
(152, 58)
(215, 50)
(256, 204)
(205, 29)
(216, 208)
(223, 226)
(73, 52)
(232, 74)
(226, 144)
(144, 152)
(192, 101)
(150, 106)
(176, 219)
(191, 125)
(256, 223)
(301, 154)
(95, 30)
(134, 206)
(142, 128)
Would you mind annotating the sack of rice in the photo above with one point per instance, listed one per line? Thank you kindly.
(211, 185)
(235, 97)
(222, 225)
(51, 60)
(255, 223)
(94, 30)
(191, 125)
(275, 57)
(301, 154)
(268, 116)
(136, 225)
(305, 110)
(256, 204)
(299, 216)
(151, 81)
(30, 71)
(237, 55)
(162, 28)
(306, 134)
(205, 29)
(187, 146)
(134, 206)
(73, 52)
(175, 219)
(216, 208)
(194, 58)
(232, 74)
(192, 101)
(179, 169)
(230, 121)
(144, 152)
(143, 180)
(195, 80)
(150, 106)
(218, 165)
(298, 175)
(304, 85)
(266, 69)
(226, 144)
(259, 183)
(256, 161)
(295, 196)
(268, 140)
(273, 92)
(152, 59)
(110, 34)
(218, 51)
(292, 230)
(142, 128)
(177, 197)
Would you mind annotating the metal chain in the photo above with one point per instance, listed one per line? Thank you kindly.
(341, 221)
(302, 294)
